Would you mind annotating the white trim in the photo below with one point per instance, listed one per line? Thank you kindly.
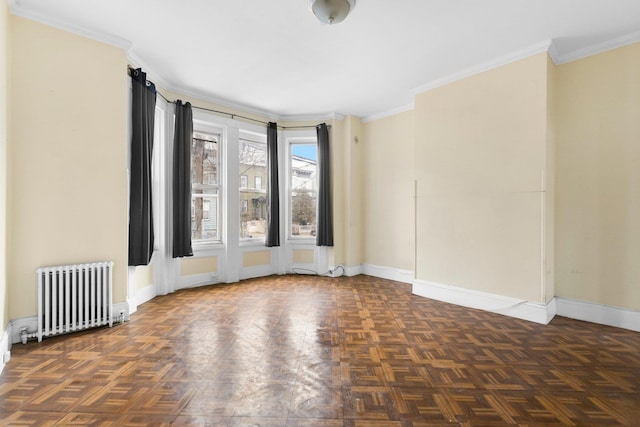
(197, 280)
(485, 66)
(310, 117)
(30, 323)
(131, 290)
(553, 52)
(256, 271)
(121, 307)
(512, 307)
(597, 48)
(5, 347)
(390, 273)
(19, 10)
(136, 62)
(145, 294)
(599, 313)
(388, 113)
(179, 90)
(351, 270)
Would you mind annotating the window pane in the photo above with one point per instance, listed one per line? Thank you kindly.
(253, 200)
(205, 169)
(303, 213)
(304, 186)
(204, 214)
(204, 159)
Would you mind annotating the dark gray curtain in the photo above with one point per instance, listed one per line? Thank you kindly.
(143, 108)
(273, 191)
(182, 180)
(324, 235)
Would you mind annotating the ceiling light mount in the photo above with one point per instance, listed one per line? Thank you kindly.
(331, 11)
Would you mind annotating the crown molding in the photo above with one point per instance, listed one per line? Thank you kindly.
(137, 62)
(553, 52)
(391, 112)
(597, 48)
(222, 102)
(110, 39)
(485, 66)
(558, 57)
(311, 117)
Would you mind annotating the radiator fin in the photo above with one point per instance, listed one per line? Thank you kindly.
(74, 297)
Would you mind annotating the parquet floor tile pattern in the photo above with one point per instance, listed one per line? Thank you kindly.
(314, 351)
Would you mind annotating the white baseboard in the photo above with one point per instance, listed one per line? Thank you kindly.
(512, 307)
(121, 307)
(145, 294)
(257, 271)
(196, 280)
(30, 323)
(5, 347)
(599, 313)
(344, 270)
(388, 273)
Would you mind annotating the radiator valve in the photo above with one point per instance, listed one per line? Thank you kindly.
(23, 335)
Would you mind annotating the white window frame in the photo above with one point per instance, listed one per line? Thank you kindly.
(302, 137)
(207, 125)
(250, 136)
(158, 177)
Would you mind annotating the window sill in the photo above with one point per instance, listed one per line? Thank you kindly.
(204, 249)
(252, 243)
(302, 241)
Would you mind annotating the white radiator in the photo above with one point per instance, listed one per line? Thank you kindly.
(74, 297)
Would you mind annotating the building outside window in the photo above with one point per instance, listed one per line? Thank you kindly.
(205, 191)
(303, 189)
(253, 201)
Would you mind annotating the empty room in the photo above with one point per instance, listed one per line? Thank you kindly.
(320, 213)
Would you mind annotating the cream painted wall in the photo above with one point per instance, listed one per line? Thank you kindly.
(598, 179)
(549, 199)
(480, 158)
(388, 146)
(303, 256)
(68, 155)
(255, 259)
(337, 148)
(4, 138)
(144, 276)
(352, 186)
(198, 265)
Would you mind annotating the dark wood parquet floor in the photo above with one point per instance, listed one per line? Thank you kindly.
(311, 351)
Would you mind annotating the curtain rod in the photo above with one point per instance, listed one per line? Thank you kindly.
(233, 116)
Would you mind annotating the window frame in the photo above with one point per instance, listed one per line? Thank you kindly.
(252, 137)
(304, 137)
(205, 126)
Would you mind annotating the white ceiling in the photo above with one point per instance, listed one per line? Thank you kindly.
(274, 56)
